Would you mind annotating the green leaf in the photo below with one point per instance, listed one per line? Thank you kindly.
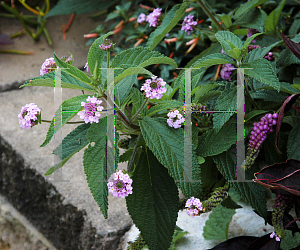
(254, 18)
(170, 20)
(286, 58)
(164, 106)
(126, 155)
(167, 145)
(273, 18)
(153, 205)
(235, 53)
(209, 95)
(94, 162)
(64, 7)
(226, 19)
(71, 70)
(294, 143)
(200, 159)
(58, 166)
(202, 90)
(213, 142)
(269, 95)
(73, 142)
(213, 59)
(247, 6)
(96, 56)
(284, 87)
(254, 113)
(74, 106)
(123, 89)
(137, 101)
(229, 41)
(216, 227)
(139, 57)
(132, 71)
(289, 241)
(226, 102)
(262, 71)
(250, 39)
(48, 80)
(251, 192)
(229, 203)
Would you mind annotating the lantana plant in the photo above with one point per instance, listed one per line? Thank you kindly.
(188, 123)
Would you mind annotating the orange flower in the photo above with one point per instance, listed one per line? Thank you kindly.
(132, 19)
(117, 30)
(168, 41)
(90, 35)
(120, 24)
(138, 42)
(193, 44)
(189, 9)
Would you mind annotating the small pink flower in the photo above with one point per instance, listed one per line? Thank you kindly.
(86, 66)
(48, 66)
(277, 237)
(153, 87)
(107, 45)
(193, 206)
(188, 24)
(152, 18)
(141, 18)
(91, 112)
(172, 115)
(28, 115)
(119, 184)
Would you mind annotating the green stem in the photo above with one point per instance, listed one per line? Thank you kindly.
(210, 15)
(39, 30)
(16, 52)
(108, 56)
(133, 153)
(17, 34)
(248, 93)
(137, 113)
(47, 36)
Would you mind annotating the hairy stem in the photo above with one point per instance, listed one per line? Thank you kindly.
(137, 113)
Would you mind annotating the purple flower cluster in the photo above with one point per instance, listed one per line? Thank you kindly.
(152, 18)
(226, 71)
(172, 115)
(48, 66)
(119, 184)
(86, 66)
(28, 115)
(269, 56)
(258, 135)
(251, 32)
(91, 112)
(141, 18)
(107, 45)
(193, 207)
(277, 237)
(153, 87)
(252, 47)
(188, 24)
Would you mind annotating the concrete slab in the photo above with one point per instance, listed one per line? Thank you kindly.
(64, 212)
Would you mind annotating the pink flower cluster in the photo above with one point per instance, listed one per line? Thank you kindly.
(188, 24)
(153, 87)
(226, 71)
(277, 237)
(91, 112)
(152, 18)
(119, 184)
(193, 207)
(48, 66)
(28, 115)
(175, 114)
(106, 45)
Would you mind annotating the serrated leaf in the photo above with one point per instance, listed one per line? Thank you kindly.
(126, 155)
(229, 41)
(289, 241)
(213, 143)
(235, 53)
(123, 89)
(213, 59)
(254, 18)
(159, 60)
(216, 227)
(96, 56)
(262, 71)
(273, 18)
(250, 39)
(269, 95)
(153, 205)
(137, 101)
(251, 192)
(94, 162)
(58, 166)
(64, 7)
(229, 203)
(226, 102)
(164, 106)
(286, 58)
(170, 20)
(71, 104)
(71, 70)
(294, 143)
(73, 142)
(202, 90)
(167, 144)
(284, 87)
(247, 6)
(132, 71)
(68, 81)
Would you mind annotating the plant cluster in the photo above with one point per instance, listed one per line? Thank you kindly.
(154, 117)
